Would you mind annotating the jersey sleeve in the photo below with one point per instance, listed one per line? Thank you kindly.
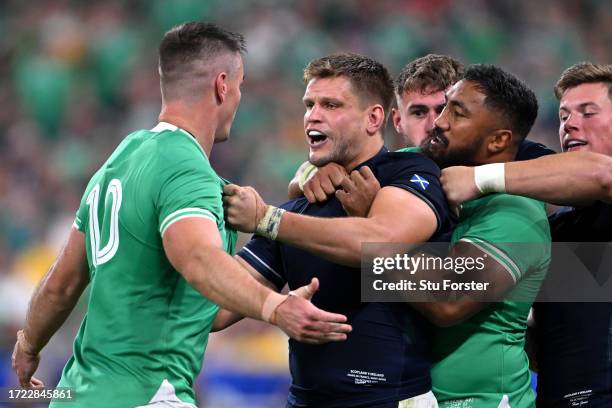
(513, 230)
(82, 214)
(264, 256)
(418, 175)
(81, 217)
(189, 187)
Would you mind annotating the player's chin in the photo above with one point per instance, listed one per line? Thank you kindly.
(222, 136)
(319, 159)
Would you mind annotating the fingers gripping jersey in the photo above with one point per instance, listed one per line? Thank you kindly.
(145, 325)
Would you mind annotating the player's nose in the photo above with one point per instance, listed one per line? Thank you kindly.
(572, 123)
(313, 114)
(430, 121)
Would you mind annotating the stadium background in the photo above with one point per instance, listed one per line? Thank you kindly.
(75, 77)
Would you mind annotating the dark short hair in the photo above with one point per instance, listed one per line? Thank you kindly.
(432, 72)
(191, 43)
(584, 73)
(369, 78)
(506, 94)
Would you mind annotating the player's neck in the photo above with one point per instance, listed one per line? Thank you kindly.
(370, 150)
(202, 131)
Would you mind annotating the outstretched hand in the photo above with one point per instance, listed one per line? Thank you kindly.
(304, 322)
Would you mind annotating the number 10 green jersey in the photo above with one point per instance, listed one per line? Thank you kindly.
(146, 329)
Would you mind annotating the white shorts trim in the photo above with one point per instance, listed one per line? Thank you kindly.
(427, 400)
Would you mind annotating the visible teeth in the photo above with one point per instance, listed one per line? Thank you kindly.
(575, 143)
(315, 133)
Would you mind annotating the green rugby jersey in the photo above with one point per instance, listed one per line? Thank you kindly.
(480, 362)
(145, 325)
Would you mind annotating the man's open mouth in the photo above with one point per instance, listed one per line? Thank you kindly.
(316, 138)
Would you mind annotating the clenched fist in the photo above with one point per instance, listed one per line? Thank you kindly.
(244, 208)
(459, 185)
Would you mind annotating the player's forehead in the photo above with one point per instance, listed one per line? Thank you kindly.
(466, 93)
(423, 97)
(596, 94)
(338, 87)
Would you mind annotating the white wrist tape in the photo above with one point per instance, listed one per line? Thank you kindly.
(306, 175)
(269, 225)
(272, 302)
(490, 178)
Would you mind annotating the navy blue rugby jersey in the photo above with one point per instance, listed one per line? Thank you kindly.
(532, 150)
(386, 357)
(574, 340)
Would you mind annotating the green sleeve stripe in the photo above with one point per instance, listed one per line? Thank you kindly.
(180, 217)
(184, 213)
(77, 224)
(500, 256)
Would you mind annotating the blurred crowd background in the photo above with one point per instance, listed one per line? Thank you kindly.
(77, 76)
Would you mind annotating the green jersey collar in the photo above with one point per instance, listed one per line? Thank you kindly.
(161, 126)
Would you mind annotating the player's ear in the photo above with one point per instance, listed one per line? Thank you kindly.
(500, 141)
(221, 87)
(376, 118)
(396, 118)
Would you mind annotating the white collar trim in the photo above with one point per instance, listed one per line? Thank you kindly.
(162, 126)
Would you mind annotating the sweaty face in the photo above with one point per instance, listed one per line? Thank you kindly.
(232, 99)
(415, 114)
(585, 115)
(460, 130)
(334, 121)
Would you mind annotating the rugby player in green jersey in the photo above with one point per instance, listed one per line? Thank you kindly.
(479, 359)
(150, 240)
(480, 362)
(572, 340)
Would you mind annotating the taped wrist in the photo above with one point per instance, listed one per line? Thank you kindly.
(272, 302)
(306, 175)
(270, 224)
(490, 178)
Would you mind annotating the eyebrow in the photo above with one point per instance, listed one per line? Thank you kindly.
(323, 99)
(418, 106)
(581, 106)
